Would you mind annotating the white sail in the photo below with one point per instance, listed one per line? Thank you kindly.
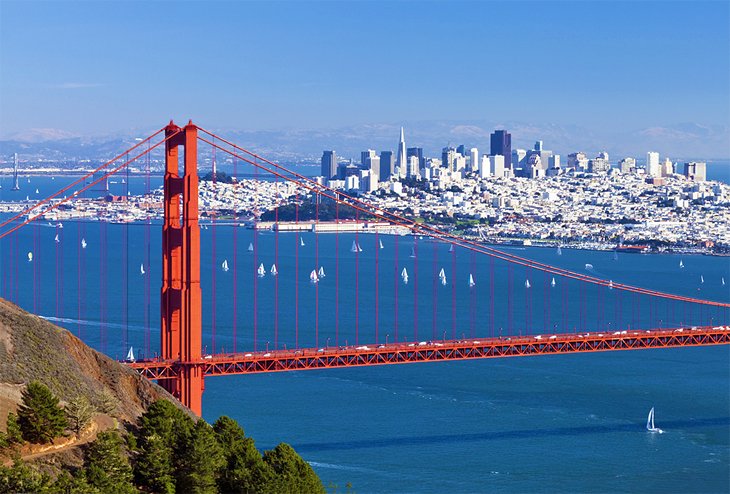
(301, 241)
(30, 257)
(60, 225)
(702, 279)
(321, 272)
(560, 251)
(681, 264)
(130, 355)
(354, 247)
(83, 243)
(141, 268)
(527, 284)
(224, 265)
(471, 281)
(273, 270)
(589, 267)
(443, 280)
(261, 271)
(250, 247)
(37, 192)
(723, 281)
(552, 283)
(404, 275)
(451, 248)
(56, 239)
(313, 276)
(359, 249)
(381, 244)
(442, 273)
(650, 423)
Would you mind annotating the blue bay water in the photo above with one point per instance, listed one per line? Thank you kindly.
(553, 423)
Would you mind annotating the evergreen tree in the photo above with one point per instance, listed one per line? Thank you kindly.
(293, 474)
(245, 470)
(22, 478)
(202, 462)
(15, 435)
(167, 421)
(72, 484)
(79, 412)
(39, 416)
(107, 465)
(154, 466)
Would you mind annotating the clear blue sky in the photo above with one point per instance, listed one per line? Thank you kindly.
(103, 66)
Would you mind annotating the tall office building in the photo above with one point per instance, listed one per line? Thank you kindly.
(474, 159)
(448, 158)
(418, 153)
(653, 169)
(329, 164)
(501, 144)
(499, 167)
(400, 157)
(386, 165)
(696, 170)
(365, 157)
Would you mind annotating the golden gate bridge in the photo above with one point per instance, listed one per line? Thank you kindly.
(182, 364)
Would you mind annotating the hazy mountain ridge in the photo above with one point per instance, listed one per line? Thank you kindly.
(683, 140)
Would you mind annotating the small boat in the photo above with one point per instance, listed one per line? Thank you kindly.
(141, 269)
(37, 192)
(404, 275)
(702, 279)
(123, 181)
(321, 272)
(413, 252)
(471, 281)
(560, 251)
(273, 270)
(301, 242)
(261, 271)
(56, 239)
(313, 276)
(130, 355)
(250, 247)
(442, 276)
(723, 281)
(83, 243)
(359, 249)
(451, 248)
(60, 225)
(355, 247)
(443, 281)
(650, 423)
(589, 267)
(224, 265)
(30, 257)
(381, 244)
(552, 283)
(527, 284)
(681, 264)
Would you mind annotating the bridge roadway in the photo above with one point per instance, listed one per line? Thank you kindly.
(434, 351)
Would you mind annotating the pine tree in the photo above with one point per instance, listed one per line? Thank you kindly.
(293, 474)
(154, 466)
(245, 470)
(107, 465)
(79, 412)
(15, 435)
(201, 465)
(22, 478)
(39, 416)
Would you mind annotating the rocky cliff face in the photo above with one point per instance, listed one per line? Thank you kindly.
(34, 349)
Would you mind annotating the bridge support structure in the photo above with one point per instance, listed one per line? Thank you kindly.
(181, 299)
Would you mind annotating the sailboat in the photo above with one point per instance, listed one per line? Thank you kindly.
(224, 265)
(650, 423)
(359, 249)
(301, 241)
(413, 252)
(451, 248)
(702, 279)
(60, 225)
(471, 281)
(681, 264)
(130, 355)
(355, 247)
(527, 284)
(321, 272)
(56, 239)
(560, 251)
(313, 276)
(589, 267)
(552, 283)
(381, 244)
(141, 269)
(261, 271)
(37, 192)
(442, 276)
(83, 243)
(273, 270)
(723, 281)
(250, 247)
(404, 275)
(30, 257)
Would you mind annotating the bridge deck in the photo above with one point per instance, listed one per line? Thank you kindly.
(433, 351)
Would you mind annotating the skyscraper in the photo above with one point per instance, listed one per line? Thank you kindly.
(400, 158)
(386, 165)
(329, 165)
(16, 185)
(653, 168)
(418, 153)
(501, 143)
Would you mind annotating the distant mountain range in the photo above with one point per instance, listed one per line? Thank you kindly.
(679, 141)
